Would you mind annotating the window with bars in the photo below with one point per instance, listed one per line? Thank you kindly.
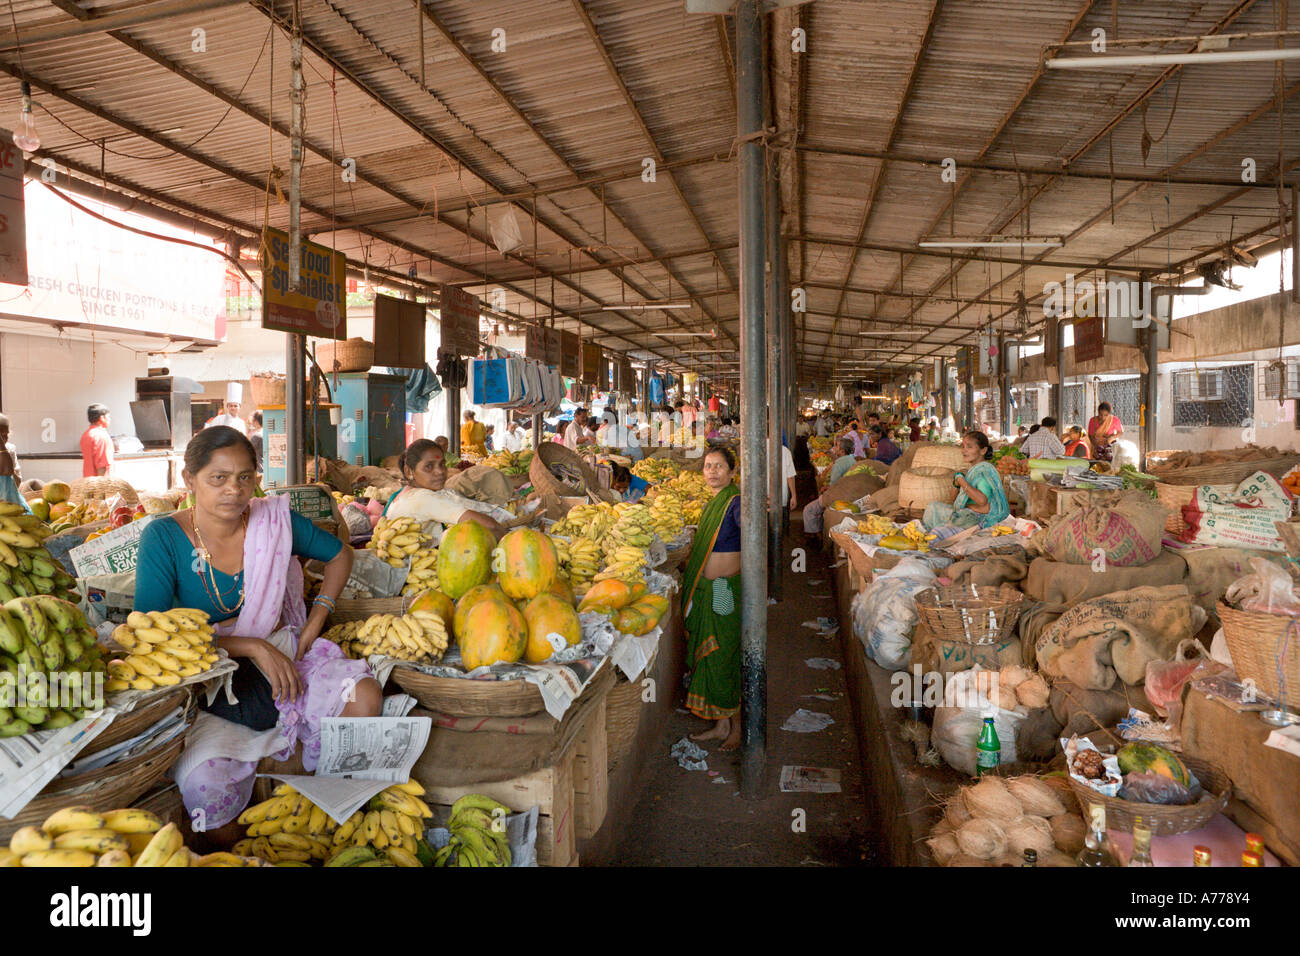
(1221, 397)
(1124, 397)
(1073, 410)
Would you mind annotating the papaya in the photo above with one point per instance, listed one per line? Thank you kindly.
(611, 594)
(484, 592)
(56, 492)
(1150, 758)
(639, 589)
(561, 588)
(464, 558)
(631, 621)
(897, 542)
(547, 615)
(437, 602)
(526, 563)
(848, 507)
(495, 632)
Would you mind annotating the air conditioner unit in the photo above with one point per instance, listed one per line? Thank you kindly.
(1199, 385)
(1281, 380)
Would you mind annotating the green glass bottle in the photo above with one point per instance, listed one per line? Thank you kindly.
(988, 749)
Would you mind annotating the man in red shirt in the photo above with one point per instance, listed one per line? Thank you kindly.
(96, 444)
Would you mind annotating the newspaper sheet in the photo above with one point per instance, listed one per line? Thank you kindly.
(29, 762)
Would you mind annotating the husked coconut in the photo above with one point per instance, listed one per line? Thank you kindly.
(1036, 797)
(1029, 833)
(1034, 693)
(1067, 832)
(943, 847)
(982, 839)
(991, 800)
(1013, 675)
(956, 811)
(1006, 698)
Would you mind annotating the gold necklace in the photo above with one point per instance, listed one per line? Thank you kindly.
(205, 556)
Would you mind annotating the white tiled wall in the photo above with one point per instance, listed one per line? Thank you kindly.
(45, 378)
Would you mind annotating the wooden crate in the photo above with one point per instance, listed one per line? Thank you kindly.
(591, 774)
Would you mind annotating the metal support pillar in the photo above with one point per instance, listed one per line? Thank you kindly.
(750, 87)
(944, 407)
(1052, 335)
(453, 420)
(968, 405)
(1150, 390)
(295, 345)
(1295, 243)
(537, 432)
(775, 405)
(1004, 388)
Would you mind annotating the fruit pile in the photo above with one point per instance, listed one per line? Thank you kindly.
(589, 521)
(418, 636)
(341, 499)
(666, 512)
(478, 834)
(46, 649)
(80, 837)
(629, 606)
(875, 524)
(396, 539)
(693, 492)
(163, 648)
(821, 460)
(290, 830)
(423, 573)
(656, 470)
(26, 567)
(65, 517)
(510, 462)
(580, 560)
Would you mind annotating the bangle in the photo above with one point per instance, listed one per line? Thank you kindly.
(324, 601)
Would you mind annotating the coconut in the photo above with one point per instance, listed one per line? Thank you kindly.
(943, 848)
(1061, 784)
(982, 839)
(991, 800)
(1029, 833)
(1036, 797)
(1056, 858)
(1006, 697)
(1013, 675)
(965, 859)
(956, 812)
(1034, 693)
(984, 681)
(943, 826)
(1067, 832)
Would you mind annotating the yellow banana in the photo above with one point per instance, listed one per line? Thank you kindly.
(151, 635)
(289, 841)
(163, 622)
(30, 840)
(402, 857)
(143, 666)
(58, 858)
(72, 818)
(180, 858)
(388, 821)
(319, 821)
(160, 847)
(142, 683)
(114, 858)
(132, 820)
(166, 679)
(96, 840)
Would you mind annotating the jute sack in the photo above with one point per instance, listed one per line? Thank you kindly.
(852, 487)
(482, 483)
(1125, 526)
(1056, 583)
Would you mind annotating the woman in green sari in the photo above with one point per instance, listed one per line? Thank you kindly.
(981, 500)
(712, 596)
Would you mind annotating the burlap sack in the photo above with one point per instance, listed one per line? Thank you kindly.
(1064, 585)
(1127, 526)
(482, 483)
(988, 568)
(1112, 638)
(1211, 570)
(852, 487)
(1082, 711)
(943, 656)
(1035, 617)
(886, 499)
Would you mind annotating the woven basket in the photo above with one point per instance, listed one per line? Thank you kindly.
(350, 355)
(358, 609)
(970, 614)
(938, 456)
(1174, 497)
(144, 716)
(108, 788)
(1255, 642)
(1163, 820)
(1228, 473)
(462, 697)
(267, 389)
(623, 706)
(575, 478)
(101, 489)
(678, 556)
(922, 486)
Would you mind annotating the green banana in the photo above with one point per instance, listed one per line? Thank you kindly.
(15, 728)
(475, 817)
(479, 801)
(11, 642)
(24, 561)
(33, 715)
(52, 651)
(352, 856)
(466, 856)
(21, 583)
(73, 651)
(61, 613)
(4, 572)
(57, 719)
(441, 857)
(487, 850)
(43, 567)
(7, 593)
(43, 585)
(33, 620)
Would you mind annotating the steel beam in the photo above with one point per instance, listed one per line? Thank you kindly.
(89, 25)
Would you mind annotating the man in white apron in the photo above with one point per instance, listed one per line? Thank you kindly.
(234, 394)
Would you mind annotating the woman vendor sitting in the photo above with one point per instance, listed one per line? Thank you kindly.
(980, 501)
(424, 466)
(232, 555)
(631, 487)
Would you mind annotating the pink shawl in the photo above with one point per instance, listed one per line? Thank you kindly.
(273, 584)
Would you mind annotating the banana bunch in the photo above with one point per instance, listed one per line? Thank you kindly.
(389, 833)
(80, 837)
(478, 834)
(26, 567)
(423, 573)
(875, 524)
(418, 636)
(343, 634)
(510, 462)
(580, 560)
(163, 648)
(341, 499)
(590, 521)
(45, 636)
(915, 532)
(286, 830)
(395, 539)
(634, 529)
(666, 510)
(85, 512)
(1000, 529)
(693, 491)
(656, 470)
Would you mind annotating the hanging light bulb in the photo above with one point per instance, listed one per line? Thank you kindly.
(25, 136)
(369, 290)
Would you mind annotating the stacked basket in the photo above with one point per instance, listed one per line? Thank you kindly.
(930, 478)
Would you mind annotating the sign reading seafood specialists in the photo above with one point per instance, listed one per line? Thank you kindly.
(319, 307)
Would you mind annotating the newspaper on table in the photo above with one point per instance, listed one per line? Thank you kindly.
(374, 577)
(869, 544)
(359, 757)
(29, 762)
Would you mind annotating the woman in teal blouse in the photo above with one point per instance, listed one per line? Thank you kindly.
(980, 501)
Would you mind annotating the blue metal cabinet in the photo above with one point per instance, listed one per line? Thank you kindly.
(320, 438)
(373, 423)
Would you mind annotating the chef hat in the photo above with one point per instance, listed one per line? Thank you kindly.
(235, 393)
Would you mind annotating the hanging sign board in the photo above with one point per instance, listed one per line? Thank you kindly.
(399, 332)
(593, 365)
(13, 218)
(626, 377)
(458, 315)
(570, 355)
(1089, 339)
(320, 308)
(553, 347)
(535, 337)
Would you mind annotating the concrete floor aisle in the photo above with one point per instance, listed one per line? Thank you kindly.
(693, 818)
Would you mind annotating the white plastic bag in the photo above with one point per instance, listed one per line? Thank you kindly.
(884, 612)
(1268, 589)
(957, 724)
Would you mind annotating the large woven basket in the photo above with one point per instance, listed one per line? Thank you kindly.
(1163, 820)
(462, 697)
(108, 788)
(558, 471)
(938, 456)
(1259, 643)
(101, 489)
(358, 609)
(350, 355)
(623, 708)
(267, 389)
(144, 716)
(922, 486)
(1228, 473)
(970, 614)
(1174, 497)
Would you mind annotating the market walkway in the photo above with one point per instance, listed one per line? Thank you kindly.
(694, 818)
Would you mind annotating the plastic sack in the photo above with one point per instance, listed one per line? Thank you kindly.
(884, 612)
(1268, 589)
(1165, 679)
(1155, 788)
(957, 724)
